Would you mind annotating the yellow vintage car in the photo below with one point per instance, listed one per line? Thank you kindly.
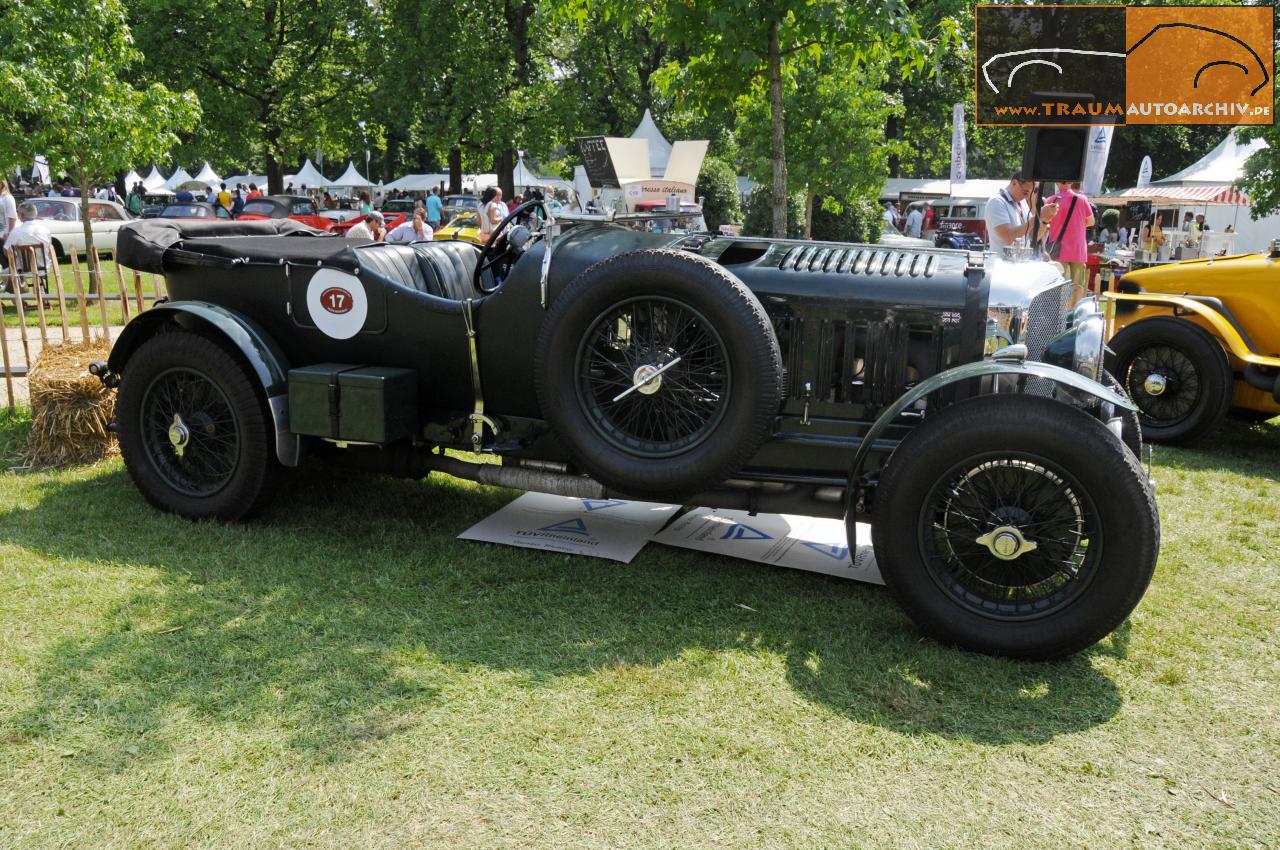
(465, 227)
(1192, 341)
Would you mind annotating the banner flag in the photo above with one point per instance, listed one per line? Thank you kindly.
(1144, 173)
(959, 155)
(1095, 161)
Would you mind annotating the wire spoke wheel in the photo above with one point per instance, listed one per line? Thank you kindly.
(189, 432)
(1165, 384)
(1010, 537)
(654, 376)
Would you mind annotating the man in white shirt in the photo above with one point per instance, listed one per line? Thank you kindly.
(30, 232)
(412, 229)
(1008, 214)
(891, 216)
(915, 219)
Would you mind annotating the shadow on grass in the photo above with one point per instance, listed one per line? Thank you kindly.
(1250, 449)
(350, 608)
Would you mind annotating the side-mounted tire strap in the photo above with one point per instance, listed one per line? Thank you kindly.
(477, 417)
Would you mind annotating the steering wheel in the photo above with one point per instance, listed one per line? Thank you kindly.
(495, 251)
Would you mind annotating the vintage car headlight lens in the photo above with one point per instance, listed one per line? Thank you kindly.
(1079, 348)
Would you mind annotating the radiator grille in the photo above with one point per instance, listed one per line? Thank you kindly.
(1046, 318)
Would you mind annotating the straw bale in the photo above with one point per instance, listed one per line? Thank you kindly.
(70, 408)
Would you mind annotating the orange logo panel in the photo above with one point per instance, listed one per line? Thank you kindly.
(1199, 65)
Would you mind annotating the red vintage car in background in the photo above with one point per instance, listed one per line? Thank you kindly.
(297, 207)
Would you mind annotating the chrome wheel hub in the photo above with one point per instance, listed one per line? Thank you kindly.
(179, 435)
(646, 379)
(1155, 384)
(1006, 543)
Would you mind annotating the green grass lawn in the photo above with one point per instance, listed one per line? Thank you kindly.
(343, 673)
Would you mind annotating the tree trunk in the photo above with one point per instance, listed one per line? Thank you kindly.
(504, 163)
(275, 168)
(890, 134)
(455, 170)
(90, 250)
(778, 142)
(808, 214)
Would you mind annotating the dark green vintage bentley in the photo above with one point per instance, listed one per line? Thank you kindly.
(952, 398)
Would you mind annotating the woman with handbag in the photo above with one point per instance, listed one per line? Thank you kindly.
(1069, 216)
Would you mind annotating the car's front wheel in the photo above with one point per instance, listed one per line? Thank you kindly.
(194, 429)
(1178, 376)
(1016, 526)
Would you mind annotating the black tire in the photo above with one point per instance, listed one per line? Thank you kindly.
(1053, 472)
(1198, 379)
(709, 412)
(228, 468)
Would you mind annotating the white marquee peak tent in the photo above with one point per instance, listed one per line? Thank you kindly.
(1223, 165)
(350, 179)
(417, 182)
(130, 179)
(153, 181)
(177, 178)
(308, 176)
(208, 177)
(659, 147)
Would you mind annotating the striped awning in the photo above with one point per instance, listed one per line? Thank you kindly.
(1219, 194)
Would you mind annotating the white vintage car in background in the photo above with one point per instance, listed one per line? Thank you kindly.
(62, 217)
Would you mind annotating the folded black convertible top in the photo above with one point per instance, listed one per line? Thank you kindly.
(143, 245)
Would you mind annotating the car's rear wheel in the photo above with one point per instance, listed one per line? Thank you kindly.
(1177, 374)
(660, 372)
(1016, 526)
(194, 429)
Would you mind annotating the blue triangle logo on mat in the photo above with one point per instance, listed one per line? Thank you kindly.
(569, 526)
(601, 504)
(739, 531)
(832, 551)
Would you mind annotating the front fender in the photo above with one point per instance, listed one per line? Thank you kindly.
(1030, 369)
(268, 362)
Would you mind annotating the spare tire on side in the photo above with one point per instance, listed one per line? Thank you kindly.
(660, 372)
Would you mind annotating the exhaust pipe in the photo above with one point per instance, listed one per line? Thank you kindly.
(1256, 378)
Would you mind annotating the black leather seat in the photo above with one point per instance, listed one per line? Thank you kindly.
(452, 264)
(396, 263)
(443, 269)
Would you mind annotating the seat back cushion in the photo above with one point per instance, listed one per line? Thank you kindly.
(450, 266)
(398, 264)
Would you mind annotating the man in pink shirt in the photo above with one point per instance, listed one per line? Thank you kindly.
(1068, 216)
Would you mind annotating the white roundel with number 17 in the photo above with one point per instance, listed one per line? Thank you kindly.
(337, 303)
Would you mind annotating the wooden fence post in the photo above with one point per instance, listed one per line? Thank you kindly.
(55, 269)
(4, 349)
(81, 301)
(124, 293)
(95, 266)
(33, 275)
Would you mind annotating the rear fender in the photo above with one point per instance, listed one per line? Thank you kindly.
(265, 359)
(983, 368)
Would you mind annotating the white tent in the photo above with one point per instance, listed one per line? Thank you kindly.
(208, 177)
(350, 179)
(177, 178)
(259, 179)
(417, 182)
(477, 183)
(130, 179)
(659, 147)
(1221, 166)
(153, 181)
(310, 177)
